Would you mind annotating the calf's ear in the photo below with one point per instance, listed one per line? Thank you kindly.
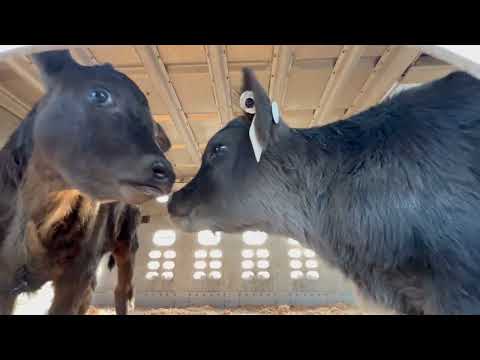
(268, 126)
(52, 63)
(162, 138)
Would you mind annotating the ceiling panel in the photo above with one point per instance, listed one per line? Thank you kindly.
(195, 91)
(302, 52)
(248, 53)
(22, 89)
(204, 126)
(157, 105)
(427, 69)
(185, 171)
(119, 55)
(179, 156)
(184, 54)
(298, 118)
(169, 127)
(189, 74)
(362, 71)
(306, 83)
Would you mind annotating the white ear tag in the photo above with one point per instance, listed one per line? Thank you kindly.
(275, 112)
(257, 148)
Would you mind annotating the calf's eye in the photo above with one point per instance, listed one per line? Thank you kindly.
(219, 148)
(99, 97)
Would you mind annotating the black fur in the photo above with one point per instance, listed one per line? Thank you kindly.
(391, 196)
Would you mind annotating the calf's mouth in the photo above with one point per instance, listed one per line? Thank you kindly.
(137, 192)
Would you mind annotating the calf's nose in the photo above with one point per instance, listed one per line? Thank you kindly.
(163, 172)
(177, 207)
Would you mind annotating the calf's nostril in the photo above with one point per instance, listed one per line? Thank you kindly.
(159, 174)
(159, 171)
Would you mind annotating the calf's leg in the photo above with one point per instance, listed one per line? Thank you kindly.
(124, 291)
(69, 296)
(7, 304)
(7, 298)
(87, 299)
(72, 288)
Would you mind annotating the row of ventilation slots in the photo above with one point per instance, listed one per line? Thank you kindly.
(208, 263)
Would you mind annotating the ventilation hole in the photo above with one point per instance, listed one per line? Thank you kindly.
(208, 238)
(200, 254)
(155, 254)
(263, 264)
(200, 265)
(216, 253)
(309, 253)
(170, 254)
(254, 237)
(215, 264)
(199, 275)
(167, 275)
(164, 237)
(263, 253)
(153, 265)
(248, 275)
(311, 264)
(296, 275)
(151, 275)
(247, 264)
(312, 275)
(294, 253)
(168, 265)
(215, 275)
(263, 275)
(247, 253)
(295, 264)
(292, 242)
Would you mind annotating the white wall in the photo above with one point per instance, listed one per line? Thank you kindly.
(230, 289)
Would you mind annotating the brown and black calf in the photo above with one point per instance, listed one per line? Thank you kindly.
(70, 177)
(121, 242)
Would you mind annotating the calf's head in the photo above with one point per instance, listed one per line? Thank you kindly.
(94, 131)
(233, 192)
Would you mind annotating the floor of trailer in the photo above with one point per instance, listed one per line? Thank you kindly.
(338, 309)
